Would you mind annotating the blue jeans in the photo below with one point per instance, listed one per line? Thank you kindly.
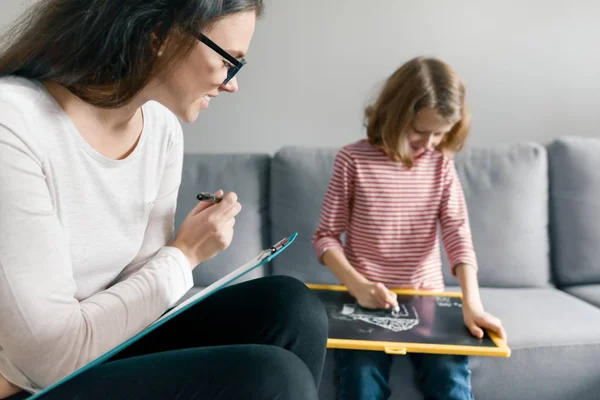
(364, 375)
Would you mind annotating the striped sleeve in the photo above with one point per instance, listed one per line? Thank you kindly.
(454, 221)
(335, 211)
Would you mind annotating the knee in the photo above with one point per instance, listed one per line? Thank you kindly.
(444, 368)
(356, 364)
(363, 374)
(298, 304)
(446, 364)
(445, 377)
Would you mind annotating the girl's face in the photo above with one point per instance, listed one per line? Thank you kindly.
(189, 88)
(427, 131)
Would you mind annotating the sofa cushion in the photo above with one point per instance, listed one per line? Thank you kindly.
(555, 343)
(575, 209)
(589, 293)
(248, 176)
(299, 178)
(506, 189)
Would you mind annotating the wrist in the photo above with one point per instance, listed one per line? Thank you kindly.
(472, 302)
(186, 252)
(354, 283)
(467, 276)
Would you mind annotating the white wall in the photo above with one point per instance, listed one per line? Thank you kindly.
(10, 9)
(532, 69)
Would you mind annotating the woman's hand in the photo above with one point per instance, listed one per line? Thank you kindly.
(476, 319)
(208, 229)
(373, 295)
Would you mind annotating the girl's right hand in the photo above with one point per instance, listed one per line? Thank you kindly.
(374, 295)
(208, 229)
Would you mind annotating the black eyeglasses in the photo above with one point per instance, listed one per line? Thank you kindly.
(236, 64)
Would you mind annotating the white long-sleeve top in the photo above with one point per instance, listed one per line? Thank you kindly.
(84, 263)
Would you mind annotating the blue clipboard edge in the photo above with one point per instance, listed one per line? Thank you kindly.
(149, 329)
(397, 348)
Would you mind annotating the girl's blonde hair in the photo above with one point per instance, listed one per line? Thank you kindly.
(419, 83)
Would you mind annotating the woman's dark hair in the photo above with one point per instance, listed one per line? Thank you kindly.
(104, 51)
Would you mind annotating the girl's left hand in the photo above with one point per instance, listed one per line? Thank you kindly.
(476, 319)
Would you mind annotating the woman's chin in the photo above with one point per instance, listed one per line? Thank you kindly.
(190, 115)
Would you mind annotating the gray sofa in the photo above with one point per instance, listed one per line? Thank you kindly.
(535, 213)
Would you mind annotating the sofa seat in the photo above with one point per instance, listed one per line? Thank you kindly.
(589, 293)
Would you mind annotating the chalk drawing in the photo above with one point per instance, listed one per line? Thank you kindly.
(447, 302)
(403, 320)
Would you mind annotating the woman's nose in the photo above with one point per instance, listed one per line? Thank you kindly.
(231, 86)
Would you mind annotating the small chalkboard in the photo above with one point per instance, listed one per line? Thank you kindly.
(426, 323)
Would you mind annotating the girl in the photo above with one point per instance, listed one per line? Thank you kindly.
(91, 154)
(388, 193)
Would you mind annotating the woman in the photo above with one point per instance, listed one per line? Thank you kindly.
(90, 166)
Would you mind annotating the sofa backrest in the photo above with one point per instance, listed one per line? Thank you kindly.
(506, 189)
(575, 209)
(248, 176)
(299, 179)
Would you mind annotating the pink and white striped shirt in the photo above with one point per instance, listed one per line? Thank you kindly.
(390, 213)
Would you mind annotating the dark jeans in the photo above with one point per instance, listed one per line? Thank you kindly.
(364, 375)
(262, 339)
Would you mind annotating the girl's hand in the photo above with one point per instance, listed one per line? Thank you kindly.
(476, 319)
(374, 295)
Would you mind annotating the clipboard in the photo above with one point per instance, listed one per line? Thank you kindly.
(263, 258)
(428, 322)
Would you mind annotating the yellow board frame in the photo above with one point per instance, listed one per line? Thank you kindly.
(400, 348)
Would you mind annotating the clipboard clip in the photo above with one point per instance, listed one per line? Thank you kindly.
(278, 246)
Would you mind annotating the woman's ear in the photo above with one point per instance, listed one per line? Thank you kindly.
(159, 38)
(156, 45)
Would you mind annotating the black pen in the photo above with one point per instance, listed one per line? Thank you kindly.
(205, 196)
